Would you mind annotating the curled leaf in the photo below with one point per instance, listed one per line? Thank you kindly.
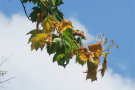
(92, 69)
(63, 25)
(104, 65)
(96, 48)
(80, 33)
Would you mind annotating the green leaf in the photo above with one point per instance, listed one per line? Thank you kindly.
(61, 59)
(57, 13)
(34, 13)
(59, 2)
(58, 43)
(51, 49)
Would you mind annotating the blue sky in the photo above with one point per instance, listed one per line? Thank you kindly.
(114, 18)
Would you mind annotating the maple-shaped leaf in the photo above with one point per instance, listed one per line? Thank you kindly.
(63, 25)
(104, 65)
(33, 33)
(49, 24)
(38, 41)
(92, 69)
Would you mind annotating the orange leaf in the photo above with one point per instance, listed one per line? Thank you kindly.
(83, 57)
(63, 25)
(96, 48)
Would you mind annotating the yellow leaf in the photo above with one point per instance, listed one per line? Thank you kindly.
(38, 41)
(49, 24)
(83, 57)
(63, 25)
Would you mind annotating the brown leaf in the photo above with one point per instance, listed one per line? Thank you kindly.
(63, 25)
(96, 48)
(84, 54)
(80, 33)
(92, 69)
(104, 65)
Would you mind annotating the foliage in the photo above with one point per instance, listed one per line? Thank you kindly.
(61, 39)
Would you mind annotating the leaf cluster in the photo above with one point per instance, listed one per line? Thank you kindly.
(60, 38)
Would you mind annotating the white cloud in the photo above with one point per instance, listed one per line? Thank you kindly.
(35, 70)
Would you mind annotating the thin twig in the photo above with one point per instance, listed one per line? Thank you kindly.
(7, 80)
(25, 10)
(43, 5)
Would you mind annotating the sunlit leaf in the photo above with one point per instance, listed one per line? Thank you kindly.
(38, 41)
(96, 48)
(33, 33)
(63, 25)
(49, 24)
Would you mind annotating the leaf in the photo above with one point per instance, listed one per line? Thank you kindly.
(33, 33)
(81, 62)
(80, 33)
(38, 41)
(83, 57)
(59, 2)
(92, 69)
(96, 48)
(61, 59)
(68, 34)
(49, 24)
(104, 65)
(63, 25)
(33, 15)
(58, 43)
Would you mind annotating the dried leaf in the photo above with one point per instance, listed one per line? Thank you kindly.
(63, 25)
(80, 33)
(96, 48)
(92, 69)
(104, 65)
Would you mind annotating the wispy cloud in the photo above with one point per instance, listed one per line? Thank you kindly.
(35, 70)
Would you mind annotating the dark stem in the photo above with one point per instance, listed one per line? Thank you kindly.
(25, 10)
